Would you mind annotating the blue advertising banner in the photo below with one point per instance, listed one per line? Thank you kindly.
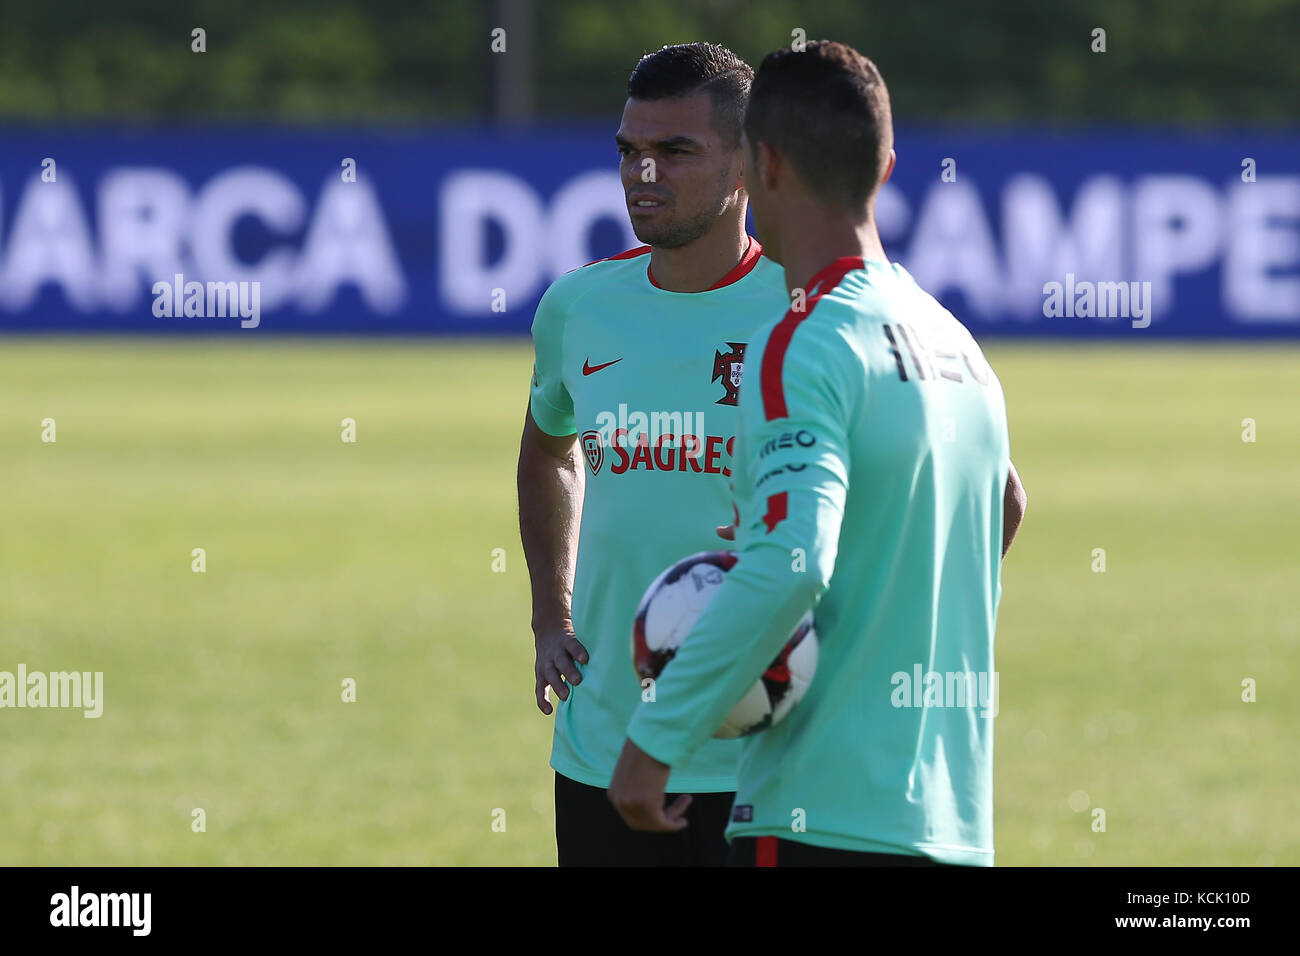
(294, 231)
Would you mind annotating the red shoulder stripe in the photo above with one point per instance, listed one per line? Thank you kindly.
(629, 254)
(632, 253)
(779, 341)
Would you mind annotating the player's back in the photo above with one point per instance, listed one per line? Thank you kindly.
(891, 749)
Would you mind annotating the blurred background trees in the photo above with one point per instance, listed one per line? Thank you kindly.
(403, 62)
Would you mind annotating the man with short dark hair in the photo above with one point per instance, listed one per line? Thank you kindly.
(638, 366)
(899, 496)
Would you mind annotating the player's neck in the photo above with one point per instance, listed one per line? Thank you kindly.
(699, 265)
(815, 244)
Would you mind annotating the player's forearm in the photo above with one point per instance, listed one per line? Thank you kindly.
(1014, 501)
(550, 510)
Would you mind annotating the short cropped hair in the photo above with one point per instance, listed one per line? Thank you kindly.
(827, 110)
(688, 68)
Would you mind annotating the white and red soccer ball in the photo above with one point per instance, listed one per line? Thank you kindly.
(668, 611)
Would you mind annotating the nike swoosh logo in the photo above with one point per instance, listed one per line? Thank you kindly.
(587, 368)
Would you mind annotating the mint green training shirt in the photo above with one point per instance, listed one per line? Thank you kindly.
(649, 380)
(871, 460)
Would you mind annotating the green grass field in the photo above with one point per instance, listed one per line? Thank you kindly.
(373, 561)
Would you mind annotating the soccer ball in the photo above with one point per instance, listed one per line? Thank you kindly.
(670, 608)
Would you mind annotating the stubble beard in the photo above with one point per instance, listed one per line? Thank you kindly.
(674, 235)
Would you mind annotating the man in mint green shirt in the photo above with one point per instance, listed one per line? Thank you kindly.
(625, 460)
(873, 482)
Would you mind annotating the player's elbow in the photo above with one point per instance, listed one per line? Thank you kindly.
(809, 577)
(1014, 502)
(1017, 499)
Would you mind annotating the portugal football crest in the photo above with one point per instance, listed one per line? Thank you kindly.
(594, 449)
(727, 367)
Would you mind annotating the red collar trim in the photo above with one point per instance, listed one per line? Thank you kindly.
(830, 276)
(742, 268)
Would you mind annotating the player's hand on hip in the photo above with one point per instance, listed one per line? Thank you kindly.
(637, 793)
(559, 653)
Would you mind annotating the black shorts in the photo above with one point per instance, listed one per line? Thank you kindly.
(589, 831)
(775, 851)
